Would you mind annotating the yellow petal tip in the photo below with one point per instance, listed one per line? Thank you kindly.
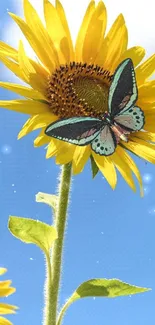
(3, 270)
(121, 18)
(20, 135)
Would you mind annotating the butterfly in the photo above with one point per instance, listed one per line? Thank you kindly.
(122, 118)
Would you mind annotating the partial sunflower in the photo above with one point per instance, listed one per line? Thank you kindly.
(68, 81)
(6, 290)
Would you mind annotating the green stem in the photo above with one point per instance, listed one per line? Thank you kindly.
(48, 288)
(60, 223)
(63, 310)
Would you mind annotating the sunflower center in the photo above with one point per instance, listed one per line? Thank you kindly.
(79, 89)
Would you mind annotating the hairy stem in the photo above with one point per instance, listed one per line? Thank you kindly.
(63, 310)
(48, 288)
(56, 260)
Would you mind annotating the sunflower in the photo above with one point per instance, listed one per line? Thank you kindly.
(6, 290)
(88, 66)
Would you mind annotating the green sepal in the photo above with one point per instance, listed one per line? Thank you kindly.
(109, 288)
(51, 200)
(94, 167)
(33, 232)
(41, 100)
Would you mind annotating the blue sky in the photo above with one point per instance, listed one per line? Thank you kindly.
(109, 233)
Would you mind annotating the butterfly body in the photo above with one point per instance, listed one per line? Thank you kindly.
(120, 133)
(104, 133)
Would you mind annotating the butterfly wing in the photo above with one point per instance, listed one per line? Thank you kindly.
(123, 91)
(132, 120)
(76, 130)
(105, 143)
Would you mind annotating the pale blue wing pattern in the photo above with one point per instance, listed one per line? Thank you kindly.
(123, 91)
(76, 130)
(133, 119)
(105, 143)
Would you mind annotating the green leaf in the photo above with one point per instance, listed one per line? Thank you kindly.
(94, 167)
(109, 288)
(51, 200)
(106, 288)
(33, 232)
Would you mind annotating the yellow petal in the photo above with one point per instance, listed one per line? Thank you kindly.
(41, 139)
(40, 33)
(149, 121)
(5, 284)
(32, 78)
(40, 70)
(150, 127)
(146, 106)
(22, 90)
(147, 136)
(14, 67)
(65, 50)
(135, 53)
(3, 270)
(24, 63)
(119, 22)
(65, 154)
(32, 107)
(7, 50)
(113, 45)
(37, 40)
(4, 321)
(145, 70)
(142, 149)
(122, 165)
(131, 164)
(7, 309)
(107, 168)
(4, 292)
(36, 122)
(150, 113)
(63, 150)
(81, 155)
(95, 33)
(53, 23)
(63, 19)
(118, 47)
(53, 148)
(146, 92)
(11, 52)
(57, 32)
(83, 30)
